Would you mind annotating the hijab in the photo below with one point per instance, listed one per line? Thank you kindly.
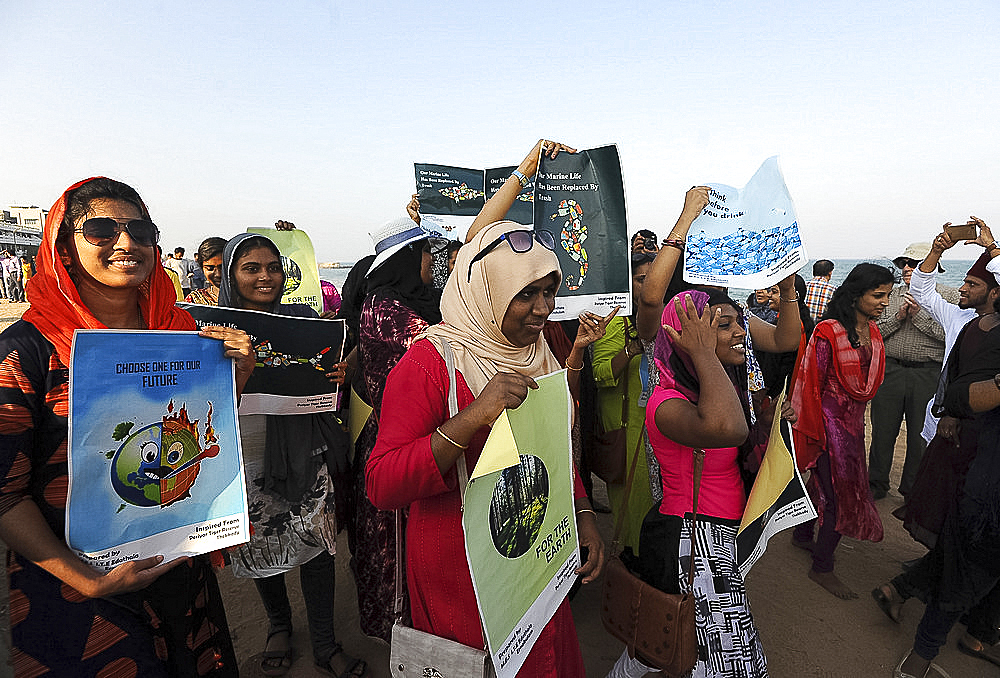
(229, 295)
(675, 367)
(56, 307)
(399, 277)
(472, 310)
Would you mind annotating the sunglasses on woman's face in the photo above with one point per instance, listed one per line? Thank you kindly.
(520, 241)
(99, 231)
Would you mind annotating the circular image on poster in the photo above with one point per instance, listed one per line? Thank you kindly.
(517, 509)
(293, 275)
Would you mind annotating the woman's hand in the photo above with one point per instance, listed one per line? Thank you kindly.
(788, 412)
(529, 166)
(238, 347)
(338, 373)
(132, 576)
(282, 225)
(699, 332)
(695, 201)
(786, 288)
(413, 208)
(592, 327)
(505, 391)
(586, 527)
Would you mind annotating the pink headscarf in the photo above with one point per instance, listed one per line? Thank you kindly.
(664, 349)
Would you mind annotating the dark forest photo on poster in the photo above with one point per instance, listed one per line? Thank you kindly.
(518, 506)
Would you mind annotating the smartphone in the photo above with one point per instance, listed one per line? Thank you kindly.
(962, 231)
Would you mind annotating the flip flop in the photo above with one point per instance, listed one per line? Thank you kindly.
(356, 669)
(276, 662)
(892, 604)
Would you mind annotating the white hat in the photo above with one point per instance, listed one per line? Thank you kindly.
(392, 236)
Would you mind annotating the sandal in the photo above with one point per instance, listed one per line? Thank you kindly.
(889, 601)
(276, 662)
(354, 669)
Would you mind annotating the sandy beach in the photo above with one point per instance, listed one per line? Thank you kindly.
(807, 633)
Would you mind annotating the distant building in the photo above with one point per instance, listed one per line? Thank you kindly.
(21, 228)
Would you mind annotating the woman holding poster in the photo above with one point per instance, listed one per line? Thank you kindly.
(701, 402)
(290, 491)
(494, 307)
(98, 267)
(842, 369)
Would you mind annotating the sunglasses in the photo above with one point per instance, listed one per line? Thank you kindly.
(903, 262)
(100, 231)
(520, 241)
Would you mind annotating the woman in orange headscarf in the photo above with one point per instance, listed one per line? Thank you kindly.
(98, 267)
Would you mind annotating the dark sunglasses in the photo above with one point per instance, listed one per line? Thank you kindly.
(100, 231)
(520, 242)
(903, 262)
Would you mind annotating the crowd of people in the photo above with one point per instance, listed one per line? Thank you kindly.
(691, 368)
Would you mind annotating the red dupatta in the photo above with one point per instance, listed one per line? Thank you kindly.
(808, 431)
(56, 307)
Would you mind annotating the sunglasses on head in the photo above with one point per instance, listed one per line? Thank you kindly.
(100, 231)
(520, 241)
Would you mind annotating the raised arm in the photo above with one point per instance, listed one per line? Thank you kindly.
(784, 336)
(496, 208)
(716, 420)
(647, 315)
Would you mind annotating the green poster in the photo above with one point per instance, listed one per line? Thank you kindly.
(301, 273)
(520, 524)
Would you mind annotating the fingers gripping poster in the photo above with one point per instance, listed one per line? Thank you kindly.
(293, 356)
(580, 199)
(778, 499)
(450, 198)
(299, 261)
(746, 238)
(520, 524)
(155, 465)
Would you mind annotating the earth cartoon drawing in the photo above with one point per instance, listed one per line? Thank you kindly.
(158, 464)
(293, 275)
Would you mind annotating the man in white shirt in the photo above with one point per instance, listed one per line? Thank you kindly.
(184, 268)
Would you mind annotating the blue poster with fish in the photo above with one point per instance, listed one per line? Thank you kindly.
(155, 464)
(746, 237)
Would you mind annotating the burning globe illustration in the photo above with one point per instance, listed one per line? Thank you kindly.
(158, 464)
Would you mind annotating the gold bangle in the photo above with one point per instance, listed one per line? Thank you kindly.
(790, 301)
(458, 445)
(573, 369)
(579, 511)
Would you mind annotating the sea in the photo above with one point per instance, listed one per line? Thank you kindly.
(954, 274)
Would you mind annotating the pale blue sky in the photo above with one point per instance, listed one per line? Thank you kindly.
(230, 114)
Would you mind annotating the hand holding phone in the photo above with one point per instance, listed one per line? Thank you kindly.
(966, 231)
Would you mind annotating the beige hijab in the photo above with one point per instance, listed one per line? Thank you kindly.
(472, 311)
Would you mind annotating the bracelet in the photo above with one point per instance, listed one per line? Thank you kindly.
(573, 369)
(992, 246)
(442, 434)
(674, 242)
(579, 511)
(520, 177)
(790, 301)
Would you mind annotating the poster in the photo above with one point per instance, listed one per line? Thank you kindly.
(299, 261)
(746, 238)
(778, 499)
(155, 464)
(580, 199)
(450, 198)
(520, 524)
(522, 211)
(293, 357)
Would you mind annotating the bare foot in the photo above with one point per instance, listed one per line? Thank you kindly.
(831, 583)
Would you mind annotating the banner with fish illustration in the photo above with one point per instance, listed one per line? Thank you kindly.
(580, 199)
(155, 463)
(519, 522)
(522, 210)
(450, 198)
(746, 237)
(299, 261)
(293, 357)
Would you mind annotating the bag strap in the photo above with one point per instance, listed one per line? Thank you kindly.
(628, 362)
(620, 521)
(463, 476)
(699, 464)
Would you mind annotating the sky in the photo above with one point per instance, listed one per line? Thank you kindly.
(226, 114)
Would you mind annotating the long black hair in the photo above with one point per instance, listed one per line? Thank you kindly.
(862, 278)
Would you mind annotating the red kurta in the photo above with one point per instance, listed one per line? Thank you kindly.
(402, 472)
